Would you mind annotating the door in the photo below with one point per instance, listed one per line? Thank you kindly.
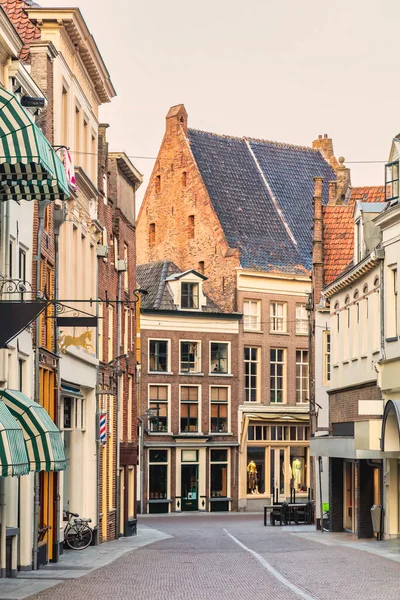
(277, 471)
(349, 497)
(190, 487)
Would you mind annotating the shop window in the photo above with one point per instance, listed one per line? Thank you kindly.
(158, 474)
(219, 409)
(158, 351)
(278, 312)
(302, 376)
(255, 470)
(277, 375)
(251, 374)
(190, 357)
(190, 295)
(219, 358)
(301, 319)
(298, 469)
(251, 315)
(219, 473)
(158, 404)
(189, 409)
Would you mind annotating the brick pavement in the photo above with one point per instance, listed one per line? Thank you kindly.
(202, 562)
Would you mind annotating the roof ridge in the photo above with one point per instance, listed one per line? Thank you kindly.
(245, 138)
(161, 287)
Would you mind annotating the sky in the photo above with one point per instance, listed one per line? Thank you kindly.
(284, 71)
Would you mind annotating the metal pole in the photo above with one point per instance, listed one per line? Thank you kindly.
(97, 425)
(118, 387)
(36, 498)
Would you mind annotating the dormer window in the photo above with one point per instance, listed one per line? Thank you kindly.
(190, 295)
(392, 181)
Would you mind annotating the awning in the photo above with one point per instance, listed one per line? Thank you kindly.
(272, 417)
(17, 316)
(13, 456)
(27, 160)
(42, 437)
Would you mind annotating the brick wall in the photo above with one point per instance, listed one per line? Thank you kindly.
(171, 197)
(343, 405)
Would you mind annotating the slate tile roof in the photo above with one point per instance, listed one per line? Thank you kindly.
(339, 230)
(262, 193)
(15, 10)
(152, 277)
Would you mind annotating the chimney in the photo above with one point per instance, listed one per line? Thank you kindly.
(176, 118)
(325, 145)
(318, 240)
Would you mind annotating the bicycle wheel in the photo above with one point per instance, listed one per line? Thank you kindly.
(79, 537)
(325, 522)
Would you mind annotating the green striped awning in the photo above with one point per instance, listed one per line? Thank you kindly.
(13, 456)
(42, 437)
(26, 156)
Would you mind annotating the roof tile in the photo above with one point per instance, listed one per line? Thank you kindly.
(15, 10)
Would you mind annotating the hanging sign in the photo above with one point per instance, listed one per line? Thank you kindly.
(103, 428)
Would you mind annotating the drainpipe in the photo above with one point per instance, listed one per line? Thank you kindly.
(97, 424)
(41, 212)
(382, 309)
(6, 249)
(59, 218)
(118, 388)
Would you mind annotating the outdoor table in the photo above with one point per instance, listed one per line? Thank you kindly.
(292, 508)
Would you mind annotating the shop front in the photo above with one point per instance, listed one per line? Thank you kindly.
(275, 462)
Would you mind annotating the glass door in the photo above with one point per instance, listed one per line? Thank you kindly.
(349, 497)
(190, 487)
(277, 474)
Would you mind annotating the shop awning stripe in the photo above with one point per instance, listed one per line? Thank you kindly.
(13, 454)
(42, 437)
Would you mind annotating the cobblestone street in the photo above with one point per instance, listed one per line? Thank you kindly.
(233, 557)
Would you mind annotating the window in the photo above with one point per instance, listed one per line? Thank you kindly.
(392, 180)
(277, 375)
(250, 374)
(64, 116)
(219, 358)
(395, 301)
(255, 470)
(327, 357)
(158, 403)
(278, 433)
(200, 267)
(152, 234)
(11, 258)
(158, 184)
(358, 241)
(77, 134)
(301, 319)
(126, 329)
(22, 265)
(158, 474)
(302, 376)
(189, 408)
(191, 227)
(190, 357)
(158, 356)
(278, 317)
(110, 333)
(219, 473)
(251, 315)
(184, 179)
(189, 295)
(219, 409)
(86, 143)
(68, 412)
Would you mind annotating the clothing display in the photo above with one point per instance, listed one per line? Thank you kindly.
(297, 474)
(252, 477)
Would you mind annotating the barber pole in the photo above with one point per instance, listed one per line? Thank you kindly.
(103, 428)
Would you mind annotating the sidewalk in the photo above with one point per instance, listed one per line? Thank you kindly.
(74, 564)
(389, 549)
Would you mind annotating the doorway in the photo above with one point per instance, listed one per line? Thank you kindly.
(349, 508)
(190, 487)
(278, 474)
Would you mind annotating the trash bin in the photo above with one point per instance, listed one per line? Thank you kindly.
(376, 516)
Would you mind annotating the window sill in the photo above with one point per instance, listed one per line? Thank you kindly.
(159, 373)
(220, 374)
(364, 356)
(218, 433)
(252, 331)
(220, 499)
(355, 359)
(303, 403)
(158, 433)
(279, 333)
(190, 374)
(302, 334)
(336, 366)
(159, 500)
(389, 340)
(345, 362)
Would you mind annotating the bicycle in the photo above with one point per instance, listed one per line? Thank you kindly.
(325, 517)
(77, 533)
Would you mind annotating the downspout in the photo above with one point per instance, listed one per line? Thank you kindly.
(41, 212)
(97, 424)
(59, 218)
(382, 308)
(118, 432)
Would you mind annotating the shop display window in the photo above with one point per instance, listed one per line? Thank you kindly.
(158, 474)
(219, 473)
(298, 469)
(255, 470)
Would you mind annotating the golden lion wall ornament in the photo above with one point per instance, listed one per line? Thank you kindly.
(83, 341)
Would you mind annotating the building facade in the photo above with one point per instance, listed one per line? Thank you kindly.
(189, 394)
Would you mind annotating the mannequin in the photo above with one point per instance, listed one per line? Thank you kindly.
(297, 473)
(252, 477)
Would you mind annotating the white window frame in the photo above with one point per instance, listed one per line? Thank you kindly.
(327, 357)
(199, 397)
(192, 283)
(284, 376)
(252, 318)
(303, 365)
(168, 403)
(216, 374)
(153, 339)
(197, 370)
(226, 462)
(258, 374)
(278, 322)
(301, 320)
(228, 403)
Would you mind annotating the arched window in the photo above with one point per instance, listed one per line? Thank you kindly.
(356, 295)
(376, 281)
(365, 289)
